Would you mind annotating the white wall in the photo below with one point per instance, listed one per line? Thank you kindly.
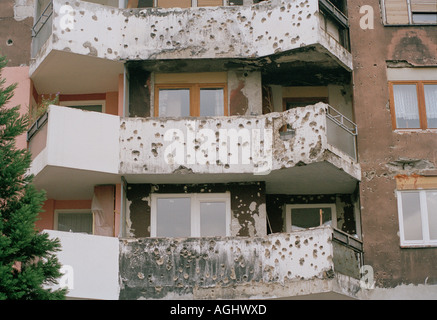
(83, 140)
(91, 263)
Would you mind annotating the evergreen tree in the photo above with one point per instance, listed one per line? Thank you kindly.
(28, 259)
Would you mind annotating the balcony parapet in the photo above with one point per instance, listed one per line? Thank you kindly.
(239, 144)
(225, 32)
(279, 265)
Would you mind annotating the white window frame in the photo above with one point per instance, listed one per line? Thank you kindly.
(290, 207)
(57, 211)
(196, 199)
(426, 241)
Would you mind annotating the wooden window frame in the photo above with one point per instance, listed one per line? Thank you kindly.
(194, 95)
(420, 91)
(407, 13)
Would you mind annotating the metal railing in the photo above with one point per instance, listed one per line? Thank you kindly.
(41, 30)
(42, 20)
(37, 126)
(341, 132)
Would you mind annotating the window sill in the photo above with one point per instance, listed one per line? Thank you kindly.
(418, 246)
(411, 25)
(402, 131)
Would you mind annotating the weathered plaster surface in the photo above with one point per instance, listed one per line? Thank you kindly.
(211, 32)
(203, 268)
(384, 152)
(203, 145)
(248, 205)
(16, 18)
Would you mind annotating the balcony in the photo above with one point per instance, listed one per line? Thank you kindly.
(89, 264)
(319, 263)
(75, 146)
(100, 38)
(314, 146)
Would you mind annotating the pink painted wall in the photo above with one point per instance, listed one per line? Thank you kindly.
(47, 217)
(22, 94)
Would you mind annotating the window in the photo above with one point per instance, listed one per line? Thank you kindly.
(80, 221)
(413, 104)
(290, 103)
(90, 105)
(401, 12)
(418, 217)
(190, 215)
(304, 216)
(184, 100)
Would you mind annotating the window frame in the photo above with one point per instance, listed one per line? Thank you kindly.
(75, 104)
(290, 207)
(194, 89)
(409, 12)
(58, 211)
(420, 95)
(426, 241)
(195, 200)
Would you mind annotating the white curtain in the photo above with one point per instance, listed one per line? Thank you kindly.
(431, 100)
(405, 100)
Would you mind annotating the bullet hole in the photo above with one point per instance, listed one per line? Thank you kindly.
(9, 42)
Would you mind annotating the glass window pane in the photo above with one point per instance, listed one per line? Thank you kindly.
(75, 222)
(211, 102)
(406, 106)
(431, 104)
(173, 217)
(212, 219)
(411, 216)
(302, 218)
(424, 17)
(431, 202)
(174, 102)
(145, 3)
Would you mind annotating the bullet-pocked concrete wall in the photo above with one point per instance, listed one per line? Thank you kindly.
(385, 153)
(16, 19)
(145, 143)
(248, 206)
(140, 34)
(251, 32)
(216, 268)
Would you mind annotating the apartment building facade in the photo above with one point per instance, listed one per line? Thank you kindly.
(397, 59)
(210, 149)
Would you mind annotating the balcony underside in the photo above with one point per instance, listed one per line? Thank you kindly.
(309, 65)
(315, 178)
(69, 73)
